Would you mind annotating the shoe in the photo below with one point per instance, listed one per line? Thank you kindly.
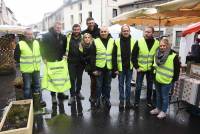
(54, 101)
(149, 104)
(98, 103)
(42, 103)
(128, 105)
(136, 105)
(80, 96)
(155, 111)
(71, 100)
(121, 104)
(161, 115)
(133, 83)
(108, 104)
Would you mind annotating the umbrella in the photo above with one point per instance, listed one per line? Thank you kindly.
(191, 28)
(168, 14)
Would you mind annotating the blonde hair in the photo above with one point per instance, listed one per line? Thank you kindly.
(84, 35)
(165, 41)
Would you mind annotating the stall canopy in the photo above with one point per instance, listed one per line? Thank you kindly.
(168, 14)
(12, 29)
(191, 28)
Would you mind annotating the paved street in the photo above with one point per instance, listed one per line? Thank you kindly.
(80, 119)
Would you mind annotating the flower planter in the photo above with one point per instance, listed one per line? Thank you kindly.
(27, 128)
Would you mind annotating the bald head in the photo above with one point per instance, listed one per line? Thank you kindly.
(104, 32)
(28, 34)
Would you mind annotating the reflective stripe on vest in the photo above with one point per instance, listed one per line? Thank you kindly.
(119, 59)
(104, 55)
(146, 57)
(56, 76)
(165, 72)
(29, 59)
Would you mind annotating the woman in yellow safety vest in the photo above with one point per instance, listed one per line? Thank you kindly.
(167, 68)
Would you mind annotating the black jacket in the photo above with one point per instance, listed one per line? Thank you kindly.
(177, 65)
(134, 59)
(17, 52)
(53, 46)
(126, 54)
(94, 33)
(74, 54)
(88, 58)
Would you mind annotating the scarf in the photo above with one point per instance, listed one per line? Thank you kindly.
(161, 57)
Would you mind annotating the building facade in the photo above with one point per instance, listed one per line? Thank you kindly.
(7, 17)
(77, 11)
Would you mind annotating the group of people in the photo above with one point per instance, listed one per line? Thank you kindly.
(94, 50)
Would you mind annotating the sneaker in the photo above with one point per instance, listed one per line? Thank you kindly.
(161, 115)
(54, 101)
(128, 105)
(80, 96)
(136, 105)
(121, 104)
(149, 104)
(133, 83)
(155, 111)
(71, 100)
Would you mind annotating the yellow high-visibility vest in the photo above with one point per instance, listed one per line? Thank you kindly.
(146, 57)
(29, 59)
(119, 58)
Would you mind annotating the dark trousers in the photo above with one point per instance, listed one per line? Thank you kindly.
(31, 84)
(139, 81)
(93, 87)
(104, 84)
(75, 73)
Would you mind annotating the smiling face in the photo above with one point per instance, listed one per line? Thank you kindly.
(58, 27)
(104, 32)
(87, 38)
(125, 31)
(77, 30)
(29, 34)
(90, 24)
(164, 45)
(148, 33)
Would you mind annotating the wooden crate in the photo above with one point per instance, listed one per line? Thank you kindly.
(28, 128)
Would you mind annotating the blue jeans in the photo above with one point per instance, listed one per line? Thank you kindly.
(125, 75)
(139, 81)
(162, 95)
(31, 84)
(103, 84)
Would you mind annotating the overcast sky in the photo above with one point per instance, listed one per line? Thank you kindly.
(32, 11)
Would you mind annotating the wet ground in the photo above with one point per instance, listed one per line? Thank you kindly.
(81, 119)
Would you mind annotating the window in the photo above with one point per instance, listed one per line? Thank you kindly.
(114, 0)
(80, 6)
(114, 12)
(90, 14)
(80, 18)
(90, 2)
(178, 38)
(156, 34)
(71, 7)
(72, 20)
